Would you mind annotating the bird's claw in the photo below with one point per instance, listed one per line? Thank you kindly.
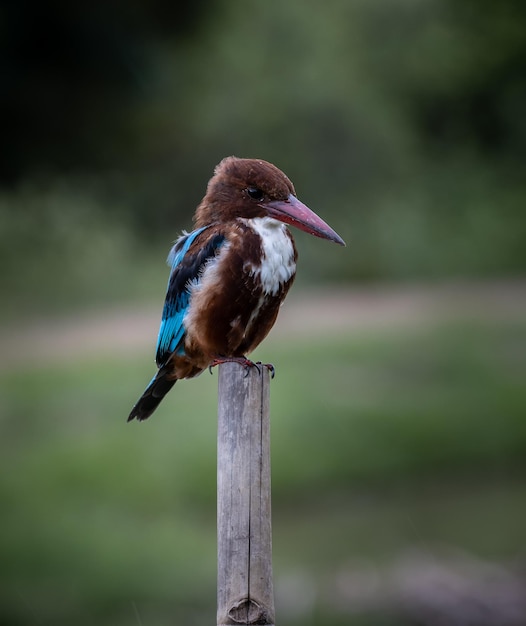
(269, 366)
(244, 362)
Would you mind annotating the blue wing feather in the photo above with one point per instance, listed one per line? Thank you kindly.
(186, 269)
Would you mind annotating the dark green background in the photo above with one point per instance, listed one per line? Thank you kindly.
(397, 448)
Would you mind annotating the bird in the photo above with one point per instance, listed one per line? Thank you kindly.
(230, 274)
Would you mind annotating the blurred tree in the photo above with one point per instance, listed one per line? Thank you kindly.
(400, 121)
(479, 87)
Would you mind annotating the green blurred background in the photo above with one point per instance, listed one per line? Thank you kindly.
(399, 405)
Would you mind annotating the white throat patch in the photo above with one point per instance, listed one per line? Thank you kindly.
(277, 265)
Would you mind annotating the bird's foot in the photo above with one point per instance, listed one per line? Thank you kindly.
(246, 363)
(269, 366)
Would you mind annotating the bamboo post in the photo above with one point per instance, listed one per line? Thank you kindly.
(244, 539)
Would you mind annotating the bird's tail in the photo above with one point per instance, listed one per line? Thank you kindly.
(159, 386)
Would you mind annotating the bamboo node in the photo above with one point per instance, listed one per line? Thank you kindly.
(248, 611)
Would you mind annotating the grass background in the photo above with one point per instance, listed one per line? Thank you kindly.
(385, 442)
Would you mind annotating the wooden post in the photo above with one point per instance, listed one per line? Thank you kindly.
(244, 538)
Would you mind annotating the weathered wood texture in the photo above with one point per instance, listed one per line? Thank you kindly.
(244, 538)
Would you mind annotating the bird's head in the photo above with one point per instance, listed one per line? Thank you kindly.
(252, 188)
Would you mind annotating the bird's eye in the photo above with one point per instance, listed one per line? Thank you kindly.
(255, 193)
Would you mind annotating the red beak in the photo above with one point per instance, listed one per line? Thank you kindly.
(293, 212)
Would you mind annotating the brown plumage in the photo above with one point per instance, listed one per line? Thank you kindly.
(227, 196)
(230, 275)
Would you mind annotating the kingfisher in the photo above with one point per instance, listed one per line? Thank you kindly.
(229, 275)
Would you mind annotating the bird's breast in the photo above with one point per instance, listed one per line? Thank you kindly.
(237, 297)
(276, 264)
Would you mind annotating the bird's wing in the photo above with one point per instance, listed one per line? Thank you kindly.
(187, 262)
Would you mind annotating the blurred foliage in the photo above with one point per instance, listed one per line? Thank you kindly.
(402, 123)
(62, 251)
(394, 441)
(399, 121)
